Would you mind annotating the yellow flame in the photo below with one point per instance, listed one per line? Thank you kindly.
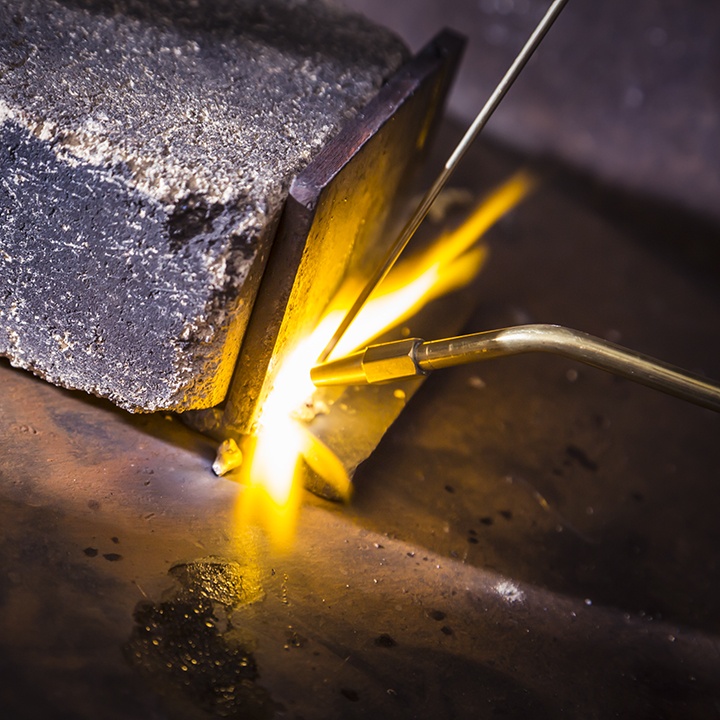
(273, 498)
(448, 264)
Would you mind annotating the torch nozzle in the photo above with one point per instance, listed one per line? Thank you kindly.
(375, 364)
(406, 358)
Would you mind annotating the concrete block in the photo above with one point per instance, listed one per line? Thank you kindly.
(146, 148)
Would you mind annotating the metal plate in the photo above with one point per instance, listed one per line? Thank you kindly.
(336, 220)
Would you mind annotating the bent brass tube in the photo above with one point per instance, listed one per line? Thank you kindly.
(405, 358)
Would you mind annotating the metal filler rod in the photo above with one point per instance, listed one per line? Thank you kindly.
(406, 358)
(422, 210)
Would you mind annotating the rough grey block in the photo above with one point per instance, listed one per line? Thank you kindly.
(146, 149)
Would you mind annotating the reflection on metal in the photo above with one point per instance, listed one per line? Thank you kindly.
(335, 220)
(358, 419)
(412, 356)
(423, 208)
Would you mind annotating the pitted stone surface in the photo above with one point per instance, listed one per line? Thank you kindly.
(146, 148)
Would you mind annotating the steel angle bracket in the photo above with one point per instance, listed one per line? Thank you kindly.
(336, 219)
(341, 214)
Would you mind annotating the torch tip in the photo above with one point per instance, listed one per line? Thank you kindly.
(347, 370)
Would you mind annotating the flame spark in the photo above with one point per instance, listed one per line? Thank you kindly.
(272, 499)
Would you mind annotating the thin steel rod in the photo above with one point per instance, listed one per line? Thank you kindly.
(410, 357)
(452, 162)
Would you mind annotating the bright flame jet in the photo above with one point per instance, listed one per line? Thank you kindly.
(272, 498)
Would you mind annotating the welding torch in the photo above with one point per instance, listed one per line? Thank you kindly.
(410, 357)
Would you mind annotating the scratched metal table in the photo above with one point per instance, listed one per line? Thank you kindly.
(531, 539)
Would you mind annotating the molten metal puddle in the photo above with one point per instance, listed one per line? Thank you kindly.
(190, 648)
